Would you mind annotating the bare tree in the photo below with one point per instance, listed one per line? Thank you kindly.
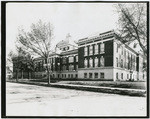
(132, 24)
(38, 41)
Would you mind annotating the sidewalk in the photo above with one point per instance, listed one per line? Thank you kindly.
(112, 90)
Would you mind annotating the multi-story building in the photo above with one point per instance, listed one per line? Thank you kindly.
(98, 57)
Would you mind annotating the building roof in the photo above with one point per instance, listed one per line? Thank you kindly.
(99, 37)
(70, 52)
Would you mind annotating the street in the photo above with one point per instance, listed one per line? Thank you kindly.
(31, 100)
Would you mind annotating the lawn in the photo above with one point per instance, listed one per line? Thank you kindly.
(117, 84)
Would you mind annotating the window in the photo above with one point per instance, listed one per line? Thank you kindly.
(53, 76)
(117, 48)
(67, 48)
(91, 50)
(85, 63)
(64, 60)
(58, 75)
(85, 51)
(53, 66)
(85, 75)
(102, 61)
(116, 75)
(90, 75)
(96, 49)
(48, 60)
(68, 75)
(71, 59)
(102, 48)
(96, 75)
(102, 75)
(124, 58)
(91, 62)
(53, 60)
(127, 76)
(62, 75)
(71, 67)
(127, 60)
(71, 75)
(76, 67)
(65, 75)
(121, 75)
(64, 67)
(76, 75)
(121, 63)
(77, 58)
(117, 62)
(96, 62)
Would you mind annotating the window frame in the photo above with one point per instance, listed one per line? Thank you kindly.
(91, 62)
(102, 75)
(117, 77)
(90, 75)
(85, 63)
(121, 75)
(86, 51)
(91, 50)
(71, 59)
(96, 49)
(85, 75)
(102, 64)
(96, 75)
(102, 49)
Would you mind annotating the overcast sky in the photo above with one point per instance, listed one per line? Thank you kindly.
(78, 19)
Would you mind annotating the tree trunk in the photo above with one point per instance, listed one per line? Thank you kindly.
(48, 72)
(49, 78)
(17, 76)
(29, 75)
(22, 74)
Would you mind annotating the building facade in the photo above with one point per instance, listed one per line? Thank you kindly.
(101, 57)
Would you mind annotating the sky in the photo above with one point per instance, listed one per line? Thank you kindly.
(78, 19)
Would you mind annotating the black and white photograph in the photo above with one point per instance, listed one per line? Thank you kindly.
(75, 59)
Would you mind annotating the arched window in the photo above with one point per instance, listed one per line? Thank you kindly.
(91, 62)
(85, 63)
(116, 61)
(116, 75)
(71, 67)
(121, 63)
(96, 62)
(102, 61)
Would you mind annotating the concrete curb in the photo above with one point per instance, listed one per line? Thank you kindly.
(121, 91)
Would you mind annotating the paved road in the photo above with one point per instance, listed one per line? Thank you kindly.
(31, 100)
